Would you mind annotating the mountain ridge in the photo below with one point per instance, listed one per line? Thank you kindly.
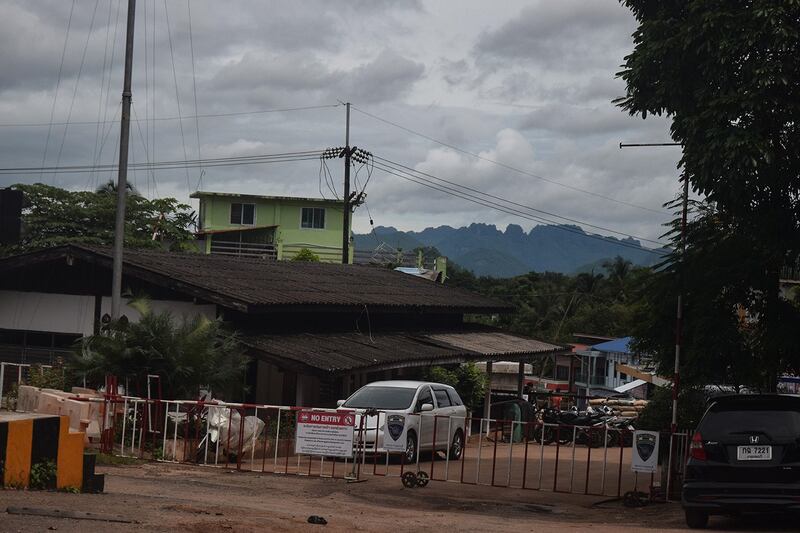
(488, 251)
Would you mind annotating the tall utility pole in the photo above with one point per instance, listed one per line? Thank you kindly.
(122, 178)
(676, 375)
(679, 314)
(346, 213)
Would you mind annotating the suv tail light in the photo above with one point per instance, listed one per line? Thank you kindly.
(696, 449)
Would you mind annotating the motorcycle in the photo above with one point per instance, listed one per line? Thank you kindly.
(560, 426)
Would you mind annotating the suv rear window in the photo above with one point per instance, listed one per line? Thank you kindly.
(776, 423)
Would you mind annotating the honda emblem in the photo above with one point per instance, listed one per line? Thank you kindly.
(754, 439)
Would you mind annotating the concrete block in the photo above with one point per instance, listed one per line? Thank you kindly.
(76, 410)
(49, 403)
(27, 399)
(82, 391)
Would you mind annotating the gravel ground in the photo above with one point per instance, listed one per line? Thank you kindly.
(162, 497)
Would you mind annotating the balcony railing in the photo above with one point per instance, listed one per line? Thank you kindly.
(326, 254)
(244, 249)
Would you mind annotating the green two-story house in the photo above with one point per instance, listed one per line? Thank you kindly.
(276, 227)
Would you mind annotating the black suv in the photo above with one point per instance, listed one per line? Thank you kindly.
(744, 456)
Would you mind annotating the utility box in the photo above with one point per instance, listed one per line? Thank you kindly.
(10, 216)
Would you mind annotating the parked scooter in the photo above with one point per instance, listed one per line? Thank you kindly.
(586, 427)
(620, 431)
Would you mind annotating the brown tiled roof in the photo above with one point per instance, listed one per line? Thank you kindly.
(346, 351)
(257, 285)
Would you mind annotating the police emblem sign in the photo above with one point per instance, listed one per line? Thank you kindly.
(394, 433)
(645, 451)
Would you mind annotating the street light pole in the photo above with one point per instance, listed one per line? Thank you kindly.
(122, 178)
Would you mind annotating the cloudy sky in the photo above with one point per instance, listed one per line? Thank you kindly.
(527, 84)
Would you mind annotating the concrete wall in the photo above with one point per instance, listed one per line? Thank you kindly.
(69, 313)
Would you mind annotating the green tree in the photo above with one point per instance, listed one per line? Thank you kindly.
(466, 379)
(727, 75)
(188, 354)
(53, 216)
(657, 416)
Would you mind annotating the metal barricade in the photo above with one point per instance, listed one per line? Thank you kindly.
(589, 460)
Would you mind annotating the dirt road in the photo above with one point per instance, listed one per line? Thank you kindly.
(161, 497)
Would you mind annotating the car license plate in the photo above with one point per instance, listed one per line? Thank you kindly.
(754, 453)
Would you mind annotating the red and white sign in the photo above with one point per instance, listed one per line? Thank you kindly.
(329, 434)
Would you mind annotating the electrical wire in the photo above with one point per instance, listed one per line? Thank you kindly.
(146, 140)
(194, 89)
(154, 106)
(146, 151)
(177, 93)
(104, 134)
(508, 210)
(58, 85)
(77, 83)
(103, 83)
(506, 166)
(185, 117)
(306, 155)
(516, 204)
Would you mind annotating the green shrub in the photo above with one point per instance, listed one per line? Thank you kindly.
(43, 476)
(306, 255)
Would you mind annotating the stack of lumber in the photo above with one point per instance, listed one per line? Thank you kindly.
(622, 407)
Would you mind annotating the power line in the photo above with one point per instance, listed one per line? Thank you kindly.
(77, 82)
(305, 155)
(185, 117)
(102, 82)
(194, 89)
(511, 211)
(506, 166)
(516, 204)
(177, 94)
(58, 85)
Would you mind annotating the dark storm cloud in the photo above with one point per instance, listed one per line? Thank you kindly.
(565, 34)
(529, 85)
(584, 121)
(385, 77)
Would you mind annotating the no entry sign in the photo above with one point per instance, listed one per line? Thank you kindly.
(325, 433)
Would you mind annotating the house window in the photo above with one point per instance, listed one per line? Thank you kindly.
(313, 217)
(244, 214)
(562, 373)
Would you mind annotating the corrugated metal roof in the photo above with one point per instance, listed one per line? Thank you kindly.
(494, 343)
(342, 352)
(257, 285)
(617, 345)
(232, 195)
(632, 385)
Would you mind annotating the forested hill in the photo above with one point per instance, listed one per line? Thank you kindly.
(488, 251)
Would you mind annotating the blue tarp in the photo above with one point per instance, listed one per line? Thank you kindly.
(617, 345)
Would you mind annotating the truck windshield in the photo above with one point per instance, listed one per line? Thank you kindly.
(381, 398)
